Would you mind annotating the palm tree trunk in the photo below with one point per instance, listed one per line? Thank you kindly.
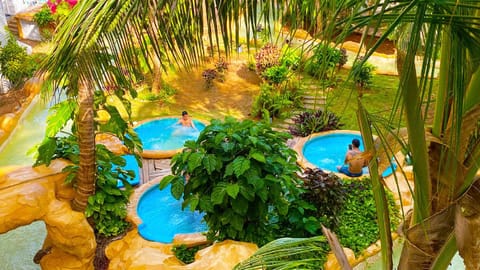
(157, 75)
(86, 142)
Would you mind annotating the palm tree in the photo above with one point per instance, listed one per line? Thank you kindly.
(98, 39)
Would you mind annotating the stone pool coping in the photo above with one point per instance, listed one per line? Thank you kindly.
(189, 239)
(157, 154)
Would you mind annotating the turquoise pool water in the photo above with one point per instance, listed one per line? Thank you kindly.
(163, 217)
(328, 151)
(164, 134)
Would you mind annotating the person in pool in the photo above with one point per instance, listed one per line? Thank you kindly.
(186, 121)
(354, 160)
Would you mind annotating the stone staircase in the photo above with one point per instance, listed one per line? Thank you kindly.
(12, 24)
(313, 99)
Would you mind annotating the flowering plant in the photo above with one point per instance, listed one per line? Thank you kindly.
(54, 4)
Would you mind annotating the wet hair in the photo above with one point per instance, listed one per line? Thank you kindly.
(356, 143)
(184, 113)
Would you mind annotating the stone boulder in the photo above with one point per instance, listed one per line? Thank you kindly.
(135, 253)
(30, 194)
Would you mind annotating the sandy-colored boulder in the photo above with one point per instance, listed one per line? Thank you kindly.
(7, 122)
(332, 263)
(29, 194)
(134, 252)
(111, 142)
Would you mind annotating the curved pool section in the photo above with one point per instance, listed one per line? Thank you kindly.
(327, 150)
(163, 138)
(162, 216)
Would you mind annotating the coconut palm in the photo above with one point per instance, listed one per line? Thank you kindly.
(96, 48)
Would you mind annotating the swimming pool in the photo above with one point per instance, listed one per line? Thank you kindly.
(162, 216)
(327, 151)
(162, 137)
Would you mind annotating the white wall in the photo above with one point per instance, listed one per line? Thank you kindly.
(12, 7)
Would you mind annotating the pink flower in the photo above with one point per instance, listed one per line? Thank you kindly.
(71, 2)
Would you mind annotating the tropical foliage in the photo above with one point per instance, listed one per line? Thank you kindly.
(108, 207)
(324, 61)
(309, 122)
(242, 176)
(15, 64)
(362, 73)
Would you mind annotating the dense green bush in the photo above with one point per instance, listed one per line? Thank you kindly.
(243, 177)
(273, 102)
(276, 74)
(324, 61)
(357, 221)
(362, 74)
(347, 207)
(44, 17)
(15, 64)
(309, 122)
(290, 58)
(184, 253)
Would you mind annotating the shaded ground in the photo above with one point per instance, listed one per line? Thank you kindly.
(232, 97)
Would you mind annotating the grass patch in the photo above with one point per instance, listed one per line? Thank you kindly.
(378, 99)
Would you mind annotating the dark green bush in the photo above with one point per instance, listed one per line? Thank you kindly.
(242, 176)
(347, 207)
(184, 253)
(362, 74)
(15, 64)
(357, 222)
(272, 102)
(324, 61)
(309, 122)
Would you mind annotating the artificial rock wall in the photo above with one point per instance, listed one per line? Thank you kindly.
(30, 194)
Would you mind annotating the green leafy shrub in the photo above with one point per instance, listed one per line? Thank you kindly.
(276, 74)
(358, 227)
(308, 122)
(362, 73)
(44, 17)
(271, 102)
(108, 206)
(324, 61)
(290, 58)
(240, 174)
(184, 253)
(15, 64)
(165, 93)
(267, 57)
(347, 207)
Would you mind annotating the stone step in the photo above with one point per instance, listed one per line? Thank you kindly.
(13, 26)
(314, 106)
(313, 101)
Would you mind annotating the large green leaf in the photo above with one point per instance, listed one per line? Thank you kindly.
(194, 161)
(218, 194)
(210, 163)
(240, 165)
(59, 115)
(232, 190)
